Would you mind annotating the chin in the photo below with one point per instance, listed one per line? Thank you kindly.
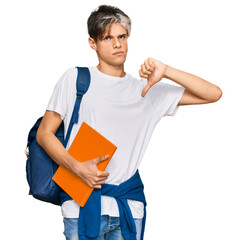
(118, 63)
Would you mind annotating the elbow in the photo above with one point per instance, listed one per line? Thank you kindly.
(217, 95)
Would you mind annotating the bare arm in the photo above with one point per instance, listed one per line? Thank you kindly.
(46, 138)
(197, 90)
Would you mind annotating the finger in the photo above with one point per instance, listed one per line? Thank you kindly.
(142, 75)
(148, 66)
(144, 70)
(145, 90)
(151, 62)
(102, 175)
(98, 180)
(101, 159)
(95, 184)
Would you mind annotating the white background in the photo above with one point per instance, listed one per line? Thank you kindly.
(194, 169)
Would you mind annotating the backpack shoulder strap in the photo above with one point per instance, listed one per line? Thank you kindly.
(82, 84)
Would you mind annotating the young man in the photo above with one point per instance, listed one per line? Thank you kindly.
(123, 109)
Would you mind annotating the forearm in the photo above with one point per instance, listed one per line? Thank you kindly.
(55, 149)
(195, 85)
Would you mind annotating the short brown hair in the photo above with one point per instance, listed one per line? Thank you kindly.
(103, 16)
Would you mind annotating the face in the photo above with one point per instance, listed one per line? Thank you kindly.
(114, 40)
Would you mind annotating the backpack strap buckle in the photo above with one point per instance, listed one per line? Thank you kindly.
(79, 94)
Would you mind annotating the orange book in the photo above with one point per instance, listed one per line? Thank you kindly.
(87, 145)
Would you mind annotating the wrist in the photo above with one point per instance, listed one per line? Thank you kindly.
(74, 166)
(165, 70)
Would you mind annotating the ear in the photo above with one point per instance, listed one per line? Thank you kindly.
(92, 43)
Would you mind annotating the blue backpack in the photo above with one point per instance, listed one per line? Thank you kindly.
(40, 168)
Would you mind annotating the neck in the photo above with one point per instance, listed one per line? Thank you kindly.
(115, 71)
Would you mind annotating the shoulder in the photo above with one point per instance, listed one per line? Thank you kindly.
(71, 72)
(68, 76)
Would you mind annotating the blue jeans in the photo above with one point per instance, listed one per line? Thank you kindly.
(109, 228)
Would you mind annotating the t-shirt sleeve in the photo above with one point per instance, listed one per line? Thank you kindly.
(165, 97)
(59, 98)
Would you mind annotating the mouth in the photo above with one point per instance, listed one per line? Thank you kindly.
(118, 53)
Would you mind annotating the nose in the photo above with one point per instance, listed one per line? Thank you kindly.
(116, 43)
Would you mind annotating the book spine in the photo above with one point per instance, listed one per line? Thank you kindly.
(87, 195)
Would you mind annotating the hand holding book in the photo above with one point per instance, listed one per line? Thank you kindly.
(93, 152)
(89, 172)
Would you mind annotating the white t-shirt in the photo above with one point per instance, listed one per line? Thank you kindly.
(114, 107)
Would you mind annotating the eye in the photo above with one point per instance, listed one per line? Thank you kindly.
(122, 36)
(107, 38)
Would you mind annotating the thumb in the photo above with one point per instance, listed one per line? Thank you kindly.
(145, 90)
(101, 159)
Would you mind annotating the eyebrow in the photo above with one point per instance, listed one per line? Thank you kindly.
(108, 35)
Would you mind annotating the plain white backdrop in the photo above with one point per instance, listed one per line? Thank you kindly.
(194, 169)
